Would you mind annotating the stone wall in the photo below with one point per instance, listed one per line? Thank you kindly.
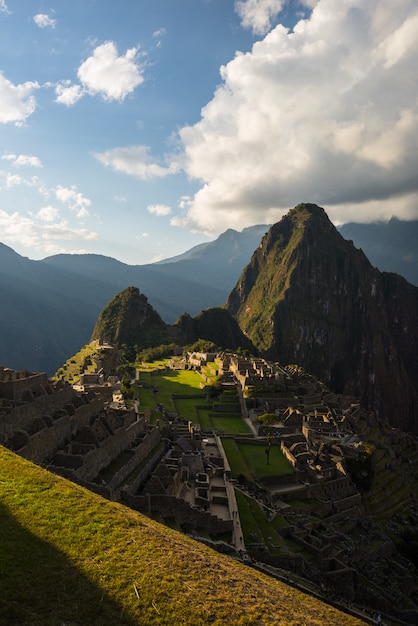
(49, 422)
(184, 514)
(140, 452)
(24, 385)
(109, 449)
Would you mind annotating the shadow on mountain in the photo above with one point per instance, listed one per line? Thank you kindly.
(41, 587)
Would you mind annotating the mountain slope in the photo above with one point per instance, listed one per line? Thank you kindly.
(199, 279)
(310, 297)
(72, 557)
(129, 320)
(45, 312)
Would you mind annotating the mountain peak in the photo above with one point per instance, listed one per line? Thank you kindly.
(128, 319)
(310, 297)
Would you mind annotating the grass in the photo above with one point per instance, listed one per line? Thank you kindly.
(229, 425)
(181, 391)
(72, 368)
(235, 459)
(257, 528)
(249, 459)
(255, 458)
(186, 407)
(67, 556)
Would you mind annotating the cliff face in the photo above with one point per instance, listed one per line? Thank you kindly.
(310, 297)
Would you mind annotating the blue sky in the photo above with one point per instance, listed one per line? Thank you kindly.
(139, 128)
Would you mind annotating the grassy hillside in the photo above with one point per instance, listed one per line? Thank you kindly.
(69, 557)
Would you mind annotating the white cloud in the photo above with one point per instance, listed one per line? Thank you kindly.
(3, 7)
(67, 93)
(111, 76)
(159, 209)
(17, 102)
(44, 21)
(23, 160)
(327, 113)
(12, 180)
(136, 161)
(158, 34)
(258, 14)
(73, 199)
(105, 74)
(29, 232)
(47, 214)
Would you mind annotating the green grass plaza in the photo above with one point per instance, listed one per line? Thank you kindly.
(183, 393)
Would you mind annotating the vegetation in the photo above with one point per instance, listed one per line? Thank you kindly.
(69, 556)
(202, 345)
(185, 392)
(156, 353)
(84, 361)
(130, 323)
(267, 418)
(249, 460)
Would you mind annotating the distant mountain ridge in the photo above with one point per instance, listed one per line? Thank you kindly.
(48, 308)
(390, 246)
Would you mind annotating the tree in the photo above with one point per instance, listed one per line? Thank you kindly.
(267, 418)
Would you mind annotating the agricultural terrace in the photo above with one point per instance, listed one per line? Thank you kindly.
(183, 392)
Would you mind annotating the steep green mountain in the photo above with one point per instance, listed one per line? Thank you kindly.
(310, 297)
(130, 322)
(390, 246)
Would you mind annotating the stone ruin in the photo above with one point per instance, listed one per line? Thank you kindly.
(78, 434)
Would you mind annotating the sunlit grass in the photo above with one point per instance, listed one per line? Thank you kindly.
(69, 557)
(181, 391)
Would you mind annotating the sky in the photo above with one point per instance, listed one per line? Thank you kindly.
(138, 129)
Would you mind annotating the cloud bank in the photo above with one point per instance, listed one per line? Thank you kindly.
(136, 161)
(327, 113)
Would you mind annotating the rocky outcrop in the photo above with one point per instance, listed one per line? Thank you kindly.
(310, 297)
